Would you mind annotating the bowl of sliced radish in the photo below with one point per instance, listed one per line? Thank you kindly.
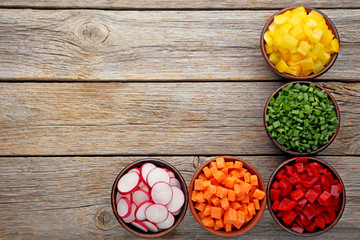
(149, 198)
(227, 196)
(306, 196)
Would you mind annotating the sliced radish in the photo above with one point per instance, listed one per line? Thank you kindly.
(176, 213)
(117, 198)
(171, 174)
(119, 195)
(151, 226)
(123, 207)
(135, 170)
(131, 217)
(169, 221)
(140, 210)
(174, 182)
(157, 175)
(161, 193)
(139, 196)
(145, 169)
(142, 185)
(177, 200)
(140, 226)
(128, 182)
(156, 213)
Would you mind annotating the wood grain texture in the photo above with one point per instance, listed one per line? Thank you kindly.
(99, 45)
(152, 118)
(69, 198)
(177, 4)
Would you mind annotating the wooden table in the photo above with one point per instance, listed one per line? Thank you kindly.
(87, 87)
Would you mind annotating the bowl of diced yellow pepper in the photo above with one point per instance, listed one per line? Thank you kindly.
(299, 43)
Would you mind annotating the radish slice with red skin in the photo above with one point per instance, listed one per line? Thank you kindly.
(128, 182)
(157, 175)
(135, 170)
(156, 213)
(167, 223)
(142, 185)
(176, 213)
(177, 200)
(119, 195)
(161, 193)
(174, 182)
(140, 210)
(131, 217)
(171, 174)
(145, 169)
(140, 225)
(139, 196)
(151, 226)
(123, 207)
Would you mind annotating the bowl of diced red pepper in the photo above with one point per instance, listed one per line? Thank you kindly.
(306, 196)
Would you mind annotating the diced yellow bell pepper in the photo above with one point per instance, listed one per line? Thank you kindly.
(274, 58)
(289, 41)
(318, 66)
(299, 12)
(268, 38)
(322, 25)
(317, 16)
(296, 57)
(268, 49)
(318, 49)
(307, 64)
(310, 54)
(307, 29)
(303, 48)
(282, 51)
(292, 63)
(281, 19)
(335, 46)
(311, 21)
(296, 31)
(327, 37)
(325, 57)
(294, 70)
(305, 72)
(316, 35)
(281, 66)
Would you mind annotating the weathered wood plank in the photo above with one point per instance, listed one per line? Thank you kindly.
(152, 118)
(179, 4)
(69, 197)
(150, 45)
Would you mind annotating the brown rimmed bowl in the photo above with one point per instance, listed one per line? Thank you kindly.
(334, 56)
(274, 94)
(246, 227)
(292, 161)
(178, 218)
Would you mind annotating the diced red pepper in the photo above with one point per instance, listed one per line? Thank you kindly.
(311, 227)
(297, 228)
(330, 177)
(302, 202)
(274, 194)
(289, 217)
(280, 214)
(309, 211)
(326, 216)
(304, 220)
(289, 170)
(285, 187)
(325, 188)
(287, 204)
(275, 205)
(297, 208)
(309, 181)
(299, 167)
(336, 203)
(328, 202)
(335, 191)
(340, 188)
(323, 170)
(332, 215)
(275, 185)
(297, 194)
(280, 174)
(325, 181)
(312, 195)
(320, 221)
(302, 160)
(294, 178)
(317, 188)
(312, 170)
(300, 186)
(325, 196)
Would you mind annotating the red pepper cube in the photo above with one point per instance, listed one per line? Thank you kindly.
(289, 217)
(304, 220)
(340, 188)
(275, 194)
(320, 221)
(280, 174)
(312, 195)
(325, 196)
(285, 187)
(280, 214)
(287, 204)
(302, 202)
(299, 167)
(297, 228)
(332, 215)
(300, 186)
(336, 203)
(297, 194)
(294, 178)
(312, 170)
(330, 177)
(327, 203)
(317, 188)
(289, 170)
(325, 181)
(323, 170)
(275, 185)
(335, 191)
(311, 227)
(302, 160)
(309, 211)
(309, 181)
(275, 205)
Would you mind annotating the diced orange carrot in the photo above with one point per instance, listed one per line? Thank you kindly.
(208, 221)
(207, 172)
(235, 173)
(244, 208)
(202, 176)
(228, 227)
(259, 194)
(206, 184)
(247, 177)
(200, 206)
(216, 227)
(246, 199)
(216, 212)
(213, 164)
(238, 190)
(221, 192)
(199, 197)
(235, 205)
(215, 201)
(212, 189)
(220, 162)
(241, 217)
(225, 203)
(193, 196)
(201, 215)
(213, 181)
(225, 171)
(231, 195)
(237, 225)
(248, 217)
(207, 195)
(254, 180)
(238, 165)
(242, 172)
(229, 182)
(230, 216)
(256, 204)
(207, 210)
(199, 185)
(219, 222)
(229, 164)
(219, 176)
(251, 209)
(240, 197)
(246, 187)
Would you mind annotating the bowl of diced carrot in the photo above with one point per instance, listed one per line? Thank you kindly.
(227, 196)
(300, 43)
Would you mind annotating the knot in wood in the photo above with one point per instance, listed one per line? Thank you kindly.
(92, 33)
(104, 219)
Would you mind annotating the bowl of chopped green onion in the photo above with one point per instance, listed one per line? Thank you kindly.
(301, 118)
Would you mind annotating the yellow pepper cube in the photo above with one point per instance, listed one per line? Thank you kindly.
(316, 35)
(323, 26)
(317, 16)
(295, 70)
(335, 46)
(282, 18)
(268, 38)
(296, 57)
(281, 66)
(268, 49)
(307, 64)
(303, 48)
(318, 66)
(295, 20)
(282, 51)
(327, 37)
(310, 54)
(307, 29)
(305, 72)
(297, 31)
(299, 10)
(318, 49)
(274, 58)
(325, 57)
(289, 41)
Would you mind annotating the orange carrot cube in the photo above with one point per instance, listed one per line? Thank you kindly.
(228, 227)
(208, 221)
(207, 172)
(202, 176)
(215, 201)
(220, 162)
(247, 177)
(231, 195)
(219, 176)
(200, 206)
(259, 194)
(254, 180)
(212, 189)
(216, 212)
(251, 209)
(225, 171)
(207, 195)
(225, 203)
(238, 165)
(235, 205)
(256, 204)
(199, 185)
(229, 164)
(207, 210)
(219, 222)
